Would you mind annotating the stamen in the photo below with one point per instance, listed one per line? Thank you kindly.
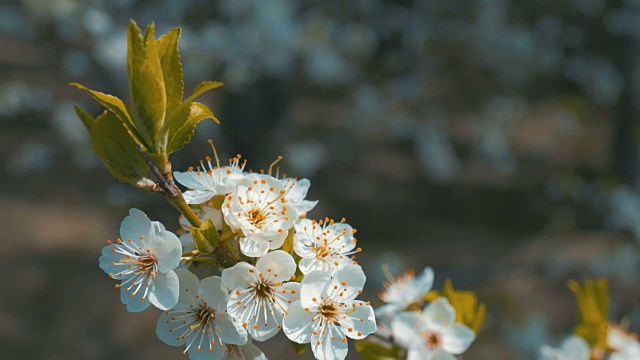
(215, 153)
(274, 163)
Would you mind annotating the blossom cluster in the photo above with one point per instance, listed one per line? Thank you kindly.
(434, 331)
(621, 344)
(594, 337)
(286, 272)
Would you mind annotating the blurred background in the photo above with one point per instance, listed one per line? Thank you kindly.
(494, 140)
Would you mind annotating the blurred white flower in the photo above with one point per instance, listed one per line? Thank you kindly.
(573, 348)
(626, 346)
(405, 290)
(433, 333)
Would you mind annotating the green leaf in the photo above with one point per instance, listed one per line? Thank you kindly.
(208, 229)
(167, 48)
(117, 107)
(181, 115)
(593, 310)
(202, 88)
(299, 348)
(370, 350)
(181, 136)
(217, 201)
(288, 243)
(86, 119)
(200, 241)
(114, 145)
(468, 311)
(146, 85)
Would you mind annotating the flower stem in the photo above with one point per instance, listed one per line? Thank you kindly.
(179, 203)
(167, 187)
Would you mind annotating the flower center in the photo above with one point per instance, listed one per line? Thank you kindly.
(145, 263)
(234, 351)
(256, 217)
(203, 317)
(205, 314)
(263, 291)
(331, 309)
(323, 252)
(432, 339)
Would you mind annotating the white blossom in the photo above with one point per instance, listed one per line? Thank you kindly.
(572, 348)
(208, 180)
(325, 246)
(259, 209)
(144, 259)
(199, 320)
(625, 346)
(327, 313)
(433, 333)
(405, 290)
(260, 295)
(296, 192)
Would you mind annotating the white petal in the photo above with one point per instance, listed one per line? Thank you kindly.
(164, 290)
(167, 250)
(277, 266)
(313, 286)
(287, 294)
(252, 352)
(305, 206)
(165, 330)
(361, 322)
(387, 311)
(136, 225)
(158, 227)
(297, 324)
(194, 197)
(277, 241)
(258, 316)
(213, 214)
(424, 281)
(305, 225)
(330, 346)
(347, 284)
(238, 276)
(577, 346)
(188, 287)
(253, 247)
(299, 190)
(309, 265)
(439, 313)
(216, 352)
(109, 260)
(192, 180)
(456, 339)
(134, 303)
(230, 332)
(418, 351)
(211, 292)
(343, 235)
(406, 327)
(303, 244)
(267, 323)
